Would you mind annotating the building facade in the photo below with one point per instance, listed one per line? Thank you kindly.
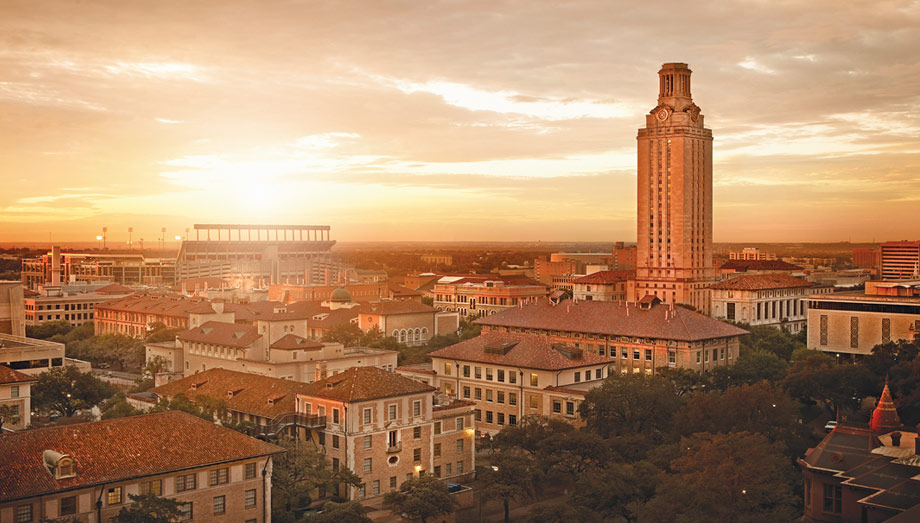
(867, 258)
(602, 286)
(12, 312)
(777, 300)
(900, 260)
(481, 296)
(31, 356)
(69, 303)
(674, 257)
(133, 315)
(89, 470)
(123, 267)
(751, 253)
(15, 392)
(850, 324)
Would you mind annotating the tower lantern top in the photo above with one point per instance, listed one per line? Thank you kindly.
(674, 83)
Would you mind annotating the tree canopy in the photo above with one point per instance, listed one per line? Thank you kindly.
(66, 390)
(421, 497)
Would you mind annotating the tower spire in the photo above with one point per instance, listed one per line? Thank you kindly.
(885, 416)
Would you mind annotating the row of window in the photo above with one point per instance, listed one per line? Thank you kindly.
(497, 418)
(375, 485)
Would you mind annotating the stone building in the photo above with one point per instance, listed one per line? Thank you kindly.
(777, 300)
(602, 286)
(74, 304)
(12, 312)
(15, 392)
(479, 296)
(89, 470)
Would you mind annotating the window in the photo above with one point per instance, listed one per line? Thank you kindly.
(391, 412)
(335, 464)
(501, 418)
(437, 450)
(437, 427)
(367, 442)
(466, 392)
(577, 376)
(722, 353)
(459, 467)
(376, 487)
(218, 476)
(447, 468)
(512, 377)
(23, 513)
(477, 372)
(250, 469)
(488, 394)
(466, 371)
(648, 354)
(417, 433)
(459, 423)
(730, 310)
(220, 504)
(361, 491)
(824, 329)
(68, 506)
(512, 398)
(715, 354)
(534, 402)
(512, 419)
(368, 465)
(154, 487)
(478, 393)
(854, 332)
(446, 369)
(250, 498)
(886, 330)
(697, 356)
(417, 408)
(460, 441)
(392, 482)
(477, 415)
(335, 441)
(417, 455)
(14, 391)
(624, 353)
(534, 380)
(186, 482)
(113, 496)
(335, 415)
(489, 373)
(569, 408)
(185, 512)
(488, 416)
(437, 471)
(501, 375)
(832, 499)
(636, 354)
(367, 416)
(557, 406)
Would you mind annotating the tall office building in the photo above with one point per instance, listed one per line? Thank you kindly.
(674, 259)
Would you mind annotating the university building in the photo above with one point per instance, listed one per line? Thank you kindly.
(74, 304)
(89, 470)
(777, 300)
(15, 392)
(900, 260)
(602, 286)
(480, 296)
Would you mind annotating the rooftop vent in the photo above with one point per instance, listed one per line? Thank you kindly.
(275, 399)
(198, 384)
(570, 352)
(501, 347)
(238, 334)
(59, 465)
(233, 392)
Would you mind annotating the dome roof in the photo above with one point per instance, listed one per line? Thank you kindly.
(340, 295)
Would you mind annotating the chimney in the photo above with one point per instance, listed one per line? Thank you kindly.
(895, 439)
(55, 266)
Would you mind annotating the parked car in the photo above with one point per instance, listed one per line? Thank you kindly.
(830, 425)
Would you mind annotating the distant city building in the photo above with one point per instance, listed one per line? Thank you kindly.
(388, 429)
(123, 267)
(74, 304)
(15, 392)
(482, 296)
(362, 292)
(862, 473)
(256, 255)
(602, 285)
(569, 264)
(88, 471)
(764, 299)
(852, 323)
(751, 253)
(512, 375)
(867, 258)
(900, 260)
(674, 261)
(12, 311)
(438, 259)
(641, 337)
(732, 268)
(32, 357)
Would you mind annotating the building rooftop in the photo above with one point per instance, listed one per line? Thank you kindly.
(614, 319)
(759, 265)
(166, 305)
(759, 282)
(364, 383)
(220, 333)
(605, 277)
(295, 342)
(114, 450)
(530, 351)
(862, 296)
(390, 307)
(9, 376)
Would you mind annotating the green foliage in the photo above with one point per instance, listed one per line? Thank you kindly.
(735, 477)
(348, 334)
(421, 497)
(752, 366)
(512, 476)
(117, 407)
(347, 512)
(531, 433)
(149, 508)
(683, 379)
(631, 404)
(619, 489)
(159, 332)
(428, 300)
(301, 470)
(66, 390)
(560, 512)
(203, 406)
(7, 416)
(46, 330)
(818, 378)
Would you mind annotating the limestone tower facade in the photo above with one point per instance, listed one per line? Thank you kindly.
(674, 234)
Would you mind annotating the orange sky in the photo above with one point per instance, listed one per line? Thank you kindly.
(450, 120)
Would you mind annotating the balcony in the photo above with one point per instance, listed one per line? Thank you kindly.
(394, 447)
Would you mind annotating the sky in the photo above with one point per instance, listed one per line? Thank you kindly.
(450, 120)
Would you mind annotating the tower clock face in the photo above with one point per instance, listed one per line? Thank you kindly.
(663, 114)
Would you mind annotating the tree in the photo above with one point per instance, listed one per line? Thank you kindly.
(887, 355)
(46, 330)
(619, 489)
(347, 512)
(117, 407)
(421, 498)
(511, 476)
(150, 508)
(348, 334)
(779, 343)
(560, 512)
(159, 332)
(818, 378)
(203, 406)
(734, 477)
(751, 366)
(428, 300)
(531, 433)
(127, 351)
(630, 404)
(7, 416)
(66, 390)
(300, 471)
(683, 379)
(571, 454)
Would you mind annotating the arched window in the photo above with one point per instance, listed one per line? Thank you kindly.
(395, 333)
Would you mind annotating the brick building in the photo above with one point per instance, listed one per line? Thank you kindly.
(640, 336)
(512, 375)
(602, 286)
(867, 258)
(89, 470)
(764, 299)
(132, 315)
(15, 391)
(900, 260)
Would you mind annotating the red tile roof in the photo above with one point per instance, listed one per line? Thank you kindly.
(115, 288)
(115, 450)
(220, 333)
(759, 265)
(295, 342)
(530, 351)
(365, 383)
(606, 277)
(164, 305)
(400, 291)
(612, 319)
(389, 307)
(10, 376)
(756, 282)
(250, 391)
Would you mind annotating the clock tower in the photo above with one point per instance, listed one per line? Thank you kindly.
(674, 234)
